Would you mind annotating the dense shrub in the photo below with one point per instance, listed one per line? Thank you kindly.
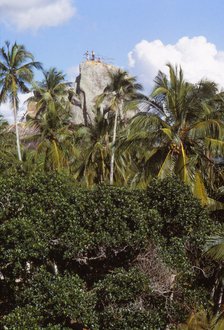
(126, 301)
(182, 214)
(53, 299)
(184, 223)
(71, 257)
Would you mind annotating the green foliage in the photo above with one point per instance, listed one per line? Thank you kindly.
(16, 71)
(95, 141)
(122, 286)
(203, 320)
(54, 299)
(53, 138)
(67, 254)
(52, 221)
(179, 131)
(23, 318)
(124, 302)
(110, 258)
(115, 216)
(181, 212)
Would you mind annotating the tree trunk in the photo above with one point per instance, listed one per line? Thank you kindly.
(113, 148)
(55, 268)
(220, 298)
(17, 129)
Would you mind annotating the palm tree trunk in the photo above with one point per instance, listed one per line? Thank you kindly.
(17, 129)
(113, 148)
(220, 298)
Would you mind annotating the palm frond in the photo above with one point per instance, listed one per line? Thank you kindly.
(215, 147)
(166, 167)
(181, 168)
(168, 132)
(199, 189)
(215, 248)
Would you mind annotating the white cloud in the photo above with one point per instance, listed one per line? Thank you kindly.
(6, 110)
(35, 14)
(199, 59)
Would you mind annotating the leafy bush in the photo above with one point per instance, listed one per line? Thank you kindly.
(67, 254)
(184, 223)
(124, 299)
(46, 299)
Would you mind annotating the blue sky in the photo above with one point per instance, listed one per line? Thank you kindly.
(139, 35)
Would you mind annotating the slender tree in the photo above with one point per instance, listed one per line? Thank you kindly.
(94, 141)
(118, 94)
(16, 71)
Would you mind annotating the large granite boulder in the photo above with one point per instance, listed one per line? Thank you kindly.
(93, 78)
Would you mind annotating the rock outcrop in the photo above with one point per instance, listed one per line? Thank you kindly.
(93, 78)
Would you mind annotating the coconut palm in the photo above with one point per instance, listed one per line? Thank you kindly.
(51, 120)
(52, 89)
(94, 141)
(118, 93)
(53, 140)
(180, 131)
(16, 70)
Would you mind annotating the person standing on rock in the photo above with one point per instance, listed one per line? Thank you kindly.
(93, 55)
(87, 55)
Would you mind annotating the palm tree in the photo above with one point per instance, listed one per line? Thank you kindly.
(53, 138)
(118, 94)
(52, 89)
(16, 70)
(180, 131)
(94, 141)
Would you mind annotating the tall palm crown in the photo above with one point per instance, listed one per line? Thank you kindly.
(54, 138)
(118, 94)
(94, 141)
(16, 71)
(52, 89)
(180, 131)
(122, 88)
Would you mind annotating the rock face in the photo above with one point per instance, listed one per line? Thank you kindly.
(93, 78)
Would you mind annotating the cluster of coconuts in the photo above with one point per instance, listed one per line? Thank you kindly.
(176, 149)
